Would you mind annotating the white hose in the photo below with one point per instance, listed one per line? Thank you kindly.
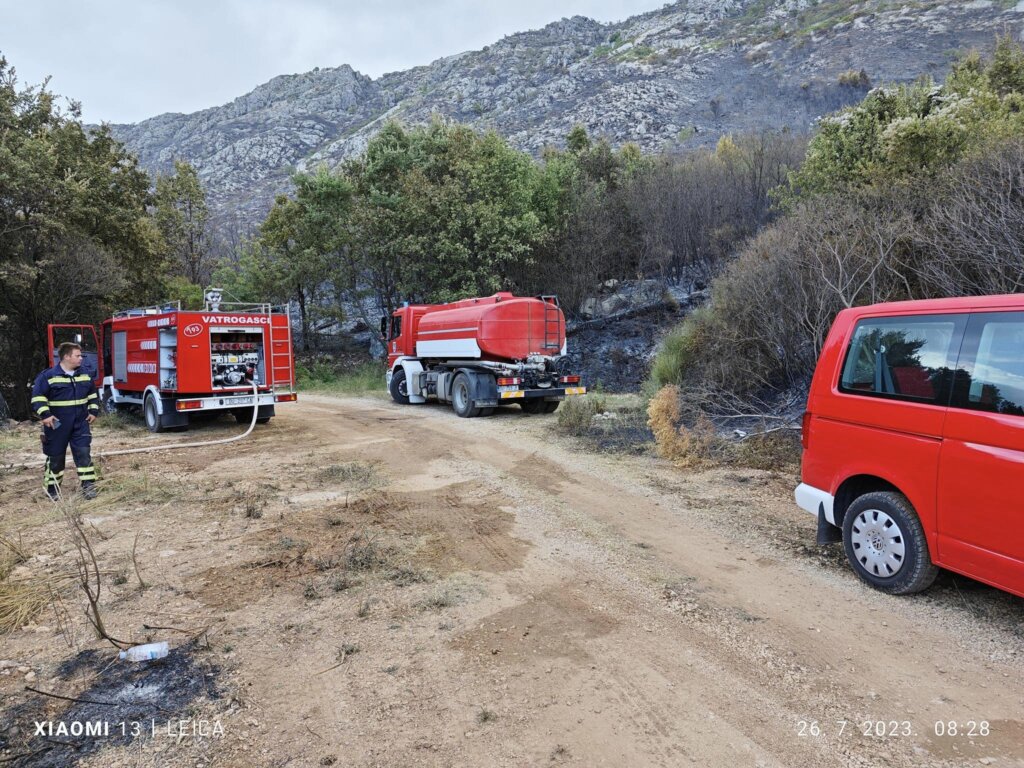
(168, 446)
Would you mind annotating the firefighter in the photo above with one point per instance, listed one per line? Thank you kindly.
(67, 403)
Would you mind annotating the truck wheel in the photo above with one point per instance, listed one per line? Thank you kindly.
(885, 544)
(152, 415)
(399, 388)
(550, 406)
(461, 400)
(109, 406)
(533, 406)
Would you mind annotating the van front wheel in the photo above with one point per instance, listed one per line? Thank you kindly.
(886, 545)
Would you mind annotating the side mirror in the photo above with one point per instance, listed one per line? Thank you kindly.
(384, 327)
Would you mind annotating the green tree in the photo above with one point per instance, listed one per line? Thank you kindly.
(301, 251)
(577, 140)
(183, 218)
(916, 130)
(75, 236)
(443, 212)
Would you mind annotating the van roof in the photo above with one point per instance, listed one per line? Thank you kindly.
(958, 304)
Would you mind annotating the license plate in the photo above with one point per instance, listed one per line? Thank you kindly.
(237, 401)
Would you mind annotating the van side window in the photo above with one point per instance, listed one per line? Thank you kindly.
(905, 358)
(991, 367)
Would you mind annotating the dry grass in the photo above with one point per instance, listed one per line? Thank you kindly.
(364, 553)
(21, 600)
(359, 473)
(135, 490)
(777, 451)
(684, 446)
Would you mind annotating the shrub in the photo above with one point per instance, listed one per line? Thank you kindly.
(685, 446)
(853, 78)
(677, 350)
(576, 413)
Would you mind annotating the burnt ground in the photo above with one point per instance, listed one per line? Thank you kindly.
(615, 354)
(110, 694)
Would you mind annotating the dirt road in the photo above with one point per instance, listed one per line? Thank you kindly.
(393, 586)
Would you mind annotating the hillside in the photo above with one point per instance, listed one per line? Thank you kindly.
(670, 79)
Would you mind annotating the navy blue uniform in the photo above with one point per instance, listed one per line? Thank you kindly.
(71, 397)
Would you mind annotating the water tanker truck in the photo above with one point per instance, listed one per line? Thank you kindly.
(480, 353)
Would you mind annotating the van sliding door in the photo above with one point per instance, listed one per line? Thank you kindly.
(981, 465)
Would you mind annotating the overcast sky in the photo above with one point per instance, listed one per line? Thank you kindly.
(126, 60)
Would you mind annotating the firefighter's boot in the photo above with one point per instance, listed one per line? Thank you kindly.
(52, 479)
(83, 463)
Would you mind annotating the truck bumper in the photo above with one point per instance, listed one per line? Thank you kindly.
(549, 393)
(193, 404)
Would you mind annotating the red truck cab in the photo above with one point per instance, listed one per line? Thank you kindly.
(913, 441)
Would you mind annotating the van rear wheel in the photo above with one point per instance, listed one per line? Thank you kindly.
(886, 545)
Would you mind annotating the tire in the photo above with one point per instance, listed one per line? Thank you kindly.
(398, 388)
(152, 415)
(551, 406)
(886, 545)
(109, 406)
(244, 415)
(462, 402)
(535, 405)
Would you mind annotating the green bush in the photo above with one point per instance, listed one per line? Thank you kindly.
(322, 376)
(677, 350)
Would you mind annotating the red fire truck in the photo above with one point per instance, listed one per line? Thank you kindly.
(172, 363)
(480, 353)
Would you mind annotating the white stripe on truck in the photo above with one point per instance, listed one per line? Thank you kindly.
(448, 348)
(448, 330)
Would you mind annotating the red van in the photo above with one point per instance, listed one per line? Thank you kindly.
(913, 441)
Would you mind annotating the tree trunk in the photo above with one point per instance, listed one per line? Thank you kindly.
(303, 319)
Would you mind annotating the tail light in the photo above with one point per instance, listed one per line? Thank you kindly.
(805, 430)
(509, 382)
(289, 398)
(188, 405)
(569, 380)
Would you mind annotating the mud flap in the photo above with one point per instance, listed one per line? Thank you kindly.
(827, 533)
(483, 389)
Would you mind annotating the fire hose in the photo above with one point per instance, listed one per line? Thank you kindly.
(166, 446)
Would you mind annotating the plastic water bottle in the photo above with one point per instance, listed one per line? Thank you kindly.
(146, 652)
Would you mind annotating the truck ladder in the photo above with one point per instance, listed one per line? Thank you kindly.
(280, 361)
(552, 324)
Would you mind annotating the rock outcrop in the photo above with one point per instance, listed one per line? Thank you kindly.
(669, 80)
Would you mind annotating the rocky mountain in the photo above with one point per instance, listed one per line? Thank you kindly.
(668, 80)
